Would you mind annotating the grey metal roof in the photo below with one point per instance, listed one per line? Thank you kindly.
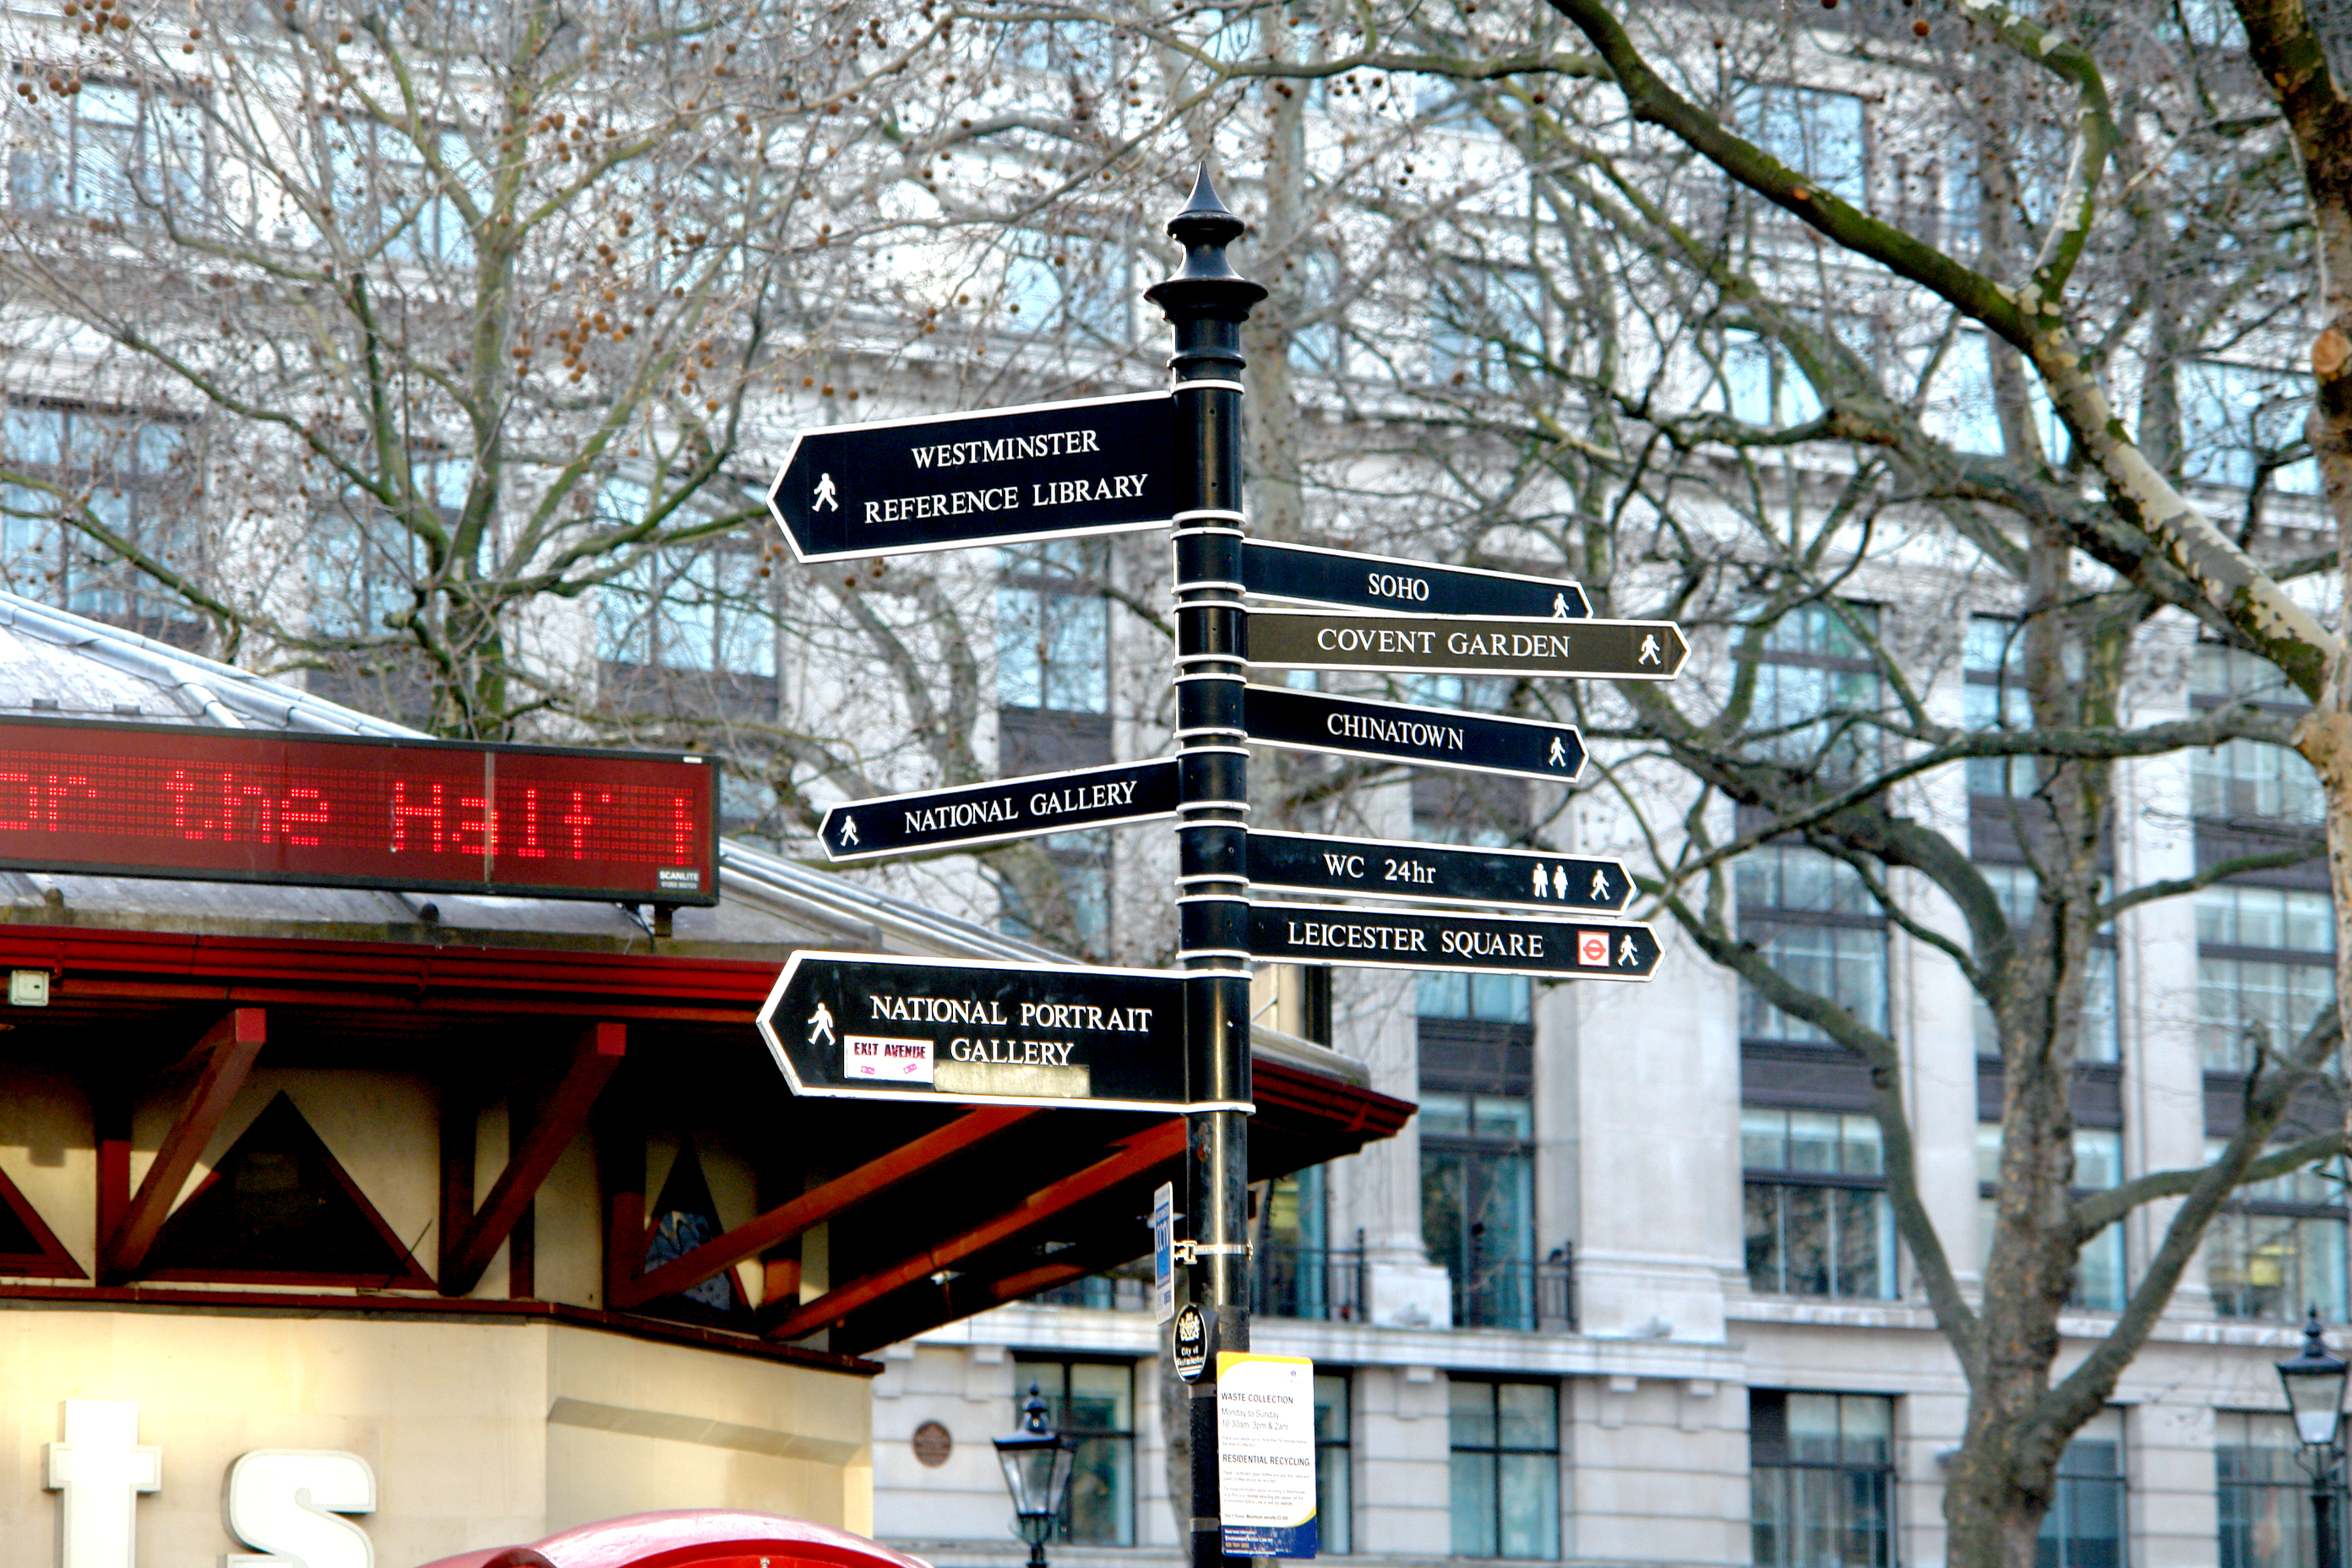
(57, 664)
(61, 665)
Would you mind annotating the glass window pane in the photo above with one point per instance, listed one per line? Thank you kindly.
(1760, 1203)
(1101, 1398)
(1806, 1240)
(1764, 1140)
(1814, 1141)
(1862, 1139)
(1527, 1415)
(1471, 1409)
(1102, 1507)
(1529, 1484)
(1474, 1532)
(1332, 1412)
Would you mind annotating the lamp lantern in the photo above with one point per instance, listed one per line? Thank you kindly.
(1036, 1460)
(2314, 1379)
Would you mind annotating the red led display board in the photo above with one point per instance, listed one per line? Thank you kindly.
(138, 800)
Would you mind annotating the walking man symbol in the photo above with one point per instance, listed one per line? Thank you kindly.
(824, 495)
(1559, 606)
(1599, 884)
(848, 833)
(1649, 651)
(1626, 956)
(821, 1023)
(1559, 757)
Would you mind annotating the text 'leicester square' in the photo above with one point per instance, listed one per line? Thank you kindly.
(869, 1026)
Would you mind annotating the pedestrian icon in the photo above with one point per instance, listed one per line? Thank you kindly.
(1626, 957)
(1649, 651)
(848, 833)
(1599, 885)
(824, 495)
(1539, 882)
(1559, 757)
(1560, 607)
(821, 1024)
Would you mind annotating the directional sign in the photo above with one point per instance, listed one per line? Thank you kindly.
(1001, 810)
(1304, 574)
(1398, 939)
(1623, 650)
(1049, 470)
(1437, 873)
(978, 1032)
(1358, 727)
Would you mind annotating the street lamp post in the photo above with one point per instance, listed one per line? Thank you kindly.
(1036, 1460)
(2314, 1379)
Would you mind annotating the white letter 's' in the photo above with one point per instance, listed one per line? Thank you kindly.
(284, 1503)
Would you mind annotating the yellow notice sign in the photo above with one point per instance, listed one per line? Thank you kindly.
(1265, 1454)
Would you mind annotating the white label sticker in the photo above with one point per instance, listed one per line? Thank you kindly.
(870, 1059)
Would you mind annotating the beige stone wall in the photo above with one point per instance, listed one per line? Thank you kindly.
(480, 1433)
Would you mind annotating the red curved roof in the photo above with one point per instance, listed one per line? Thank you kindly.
(694, 1537)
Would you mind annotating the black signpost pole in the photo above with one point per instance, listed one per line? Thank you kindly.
(1205, 303)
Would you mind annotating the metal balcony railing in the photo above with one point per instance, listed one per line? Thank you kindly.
(1519, 1293)
(1327, 1284)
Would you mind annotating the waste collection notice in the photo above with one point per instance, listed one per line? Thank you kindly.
(1265, 1454)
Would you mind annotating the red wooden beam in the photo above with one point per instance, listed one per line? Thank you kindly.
(228, 1049)
(1141, 1153)
(817, 1204)
(594, 1057)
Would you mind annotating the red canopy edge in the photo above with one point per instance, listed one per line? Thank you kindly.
(680, 1537)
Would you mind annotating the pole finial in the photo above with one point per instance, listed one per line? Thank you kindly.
(1205, 220)
(1206, 284)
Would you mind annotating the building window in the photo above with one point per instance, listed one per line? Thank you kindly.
(1815, 1199)
(2278, 1247)
(1761, 383)
(1822, 1474)
(2084, 1526)
(1095, 1403)
(2101, 1039)
(2264, 1492)
(1069, 284)
(1483, 322)
(130, 475)
(1819, 926)
(1506, 1468)
(2266, 969)
(1053, 684)
(1319, 338)
(2099, 1278)
(1821, 134)
(1334, 1474)
(110, 150)
(2240, 422)
(1993, 697)
(1477, 1203)
(1053, 656)
(1478, 998)
(1962, 411)
(704, 608)
(1297, 1272)
(1816, 689)
(2246, 780)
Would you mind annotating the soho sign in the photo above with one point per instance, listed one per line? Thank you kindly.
(285, 1503)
